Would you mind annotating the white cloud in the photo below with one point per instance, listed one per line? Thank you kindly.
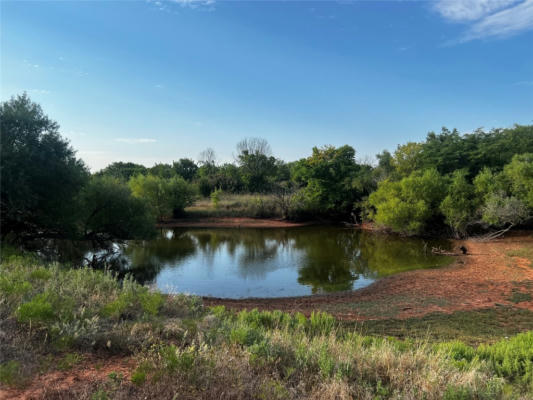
(135, 140)
(469, 10)
(488, 18)
(194, 3)
(38, 91)
(524, 83)
(508, 22)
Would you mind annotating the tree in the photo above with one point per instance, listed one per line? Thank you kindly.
(460, 204)
(109, 211)
(329, 181)
(519, 173)
(164, 196)
(186, 168)
(407, 205)
(407, 158)
(162, 170)
(122, 170)
(40, 174)
(257, 165)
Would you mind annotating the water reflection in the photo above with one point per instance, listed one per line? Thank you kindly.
(260, 262)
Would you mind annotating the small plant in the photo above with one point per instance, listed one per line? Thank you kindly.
(321, 323)
(10, 373)
(519, 297)
(138, 378)
(215, 197)
(38, 309)
(69, 361)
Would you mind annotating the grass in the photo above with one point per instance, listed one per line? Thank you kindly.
(472, 327)
(235, 205)
(184, 350)
(524, 252)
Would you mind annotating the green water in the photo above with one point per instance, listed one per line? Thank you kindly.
(237, 263)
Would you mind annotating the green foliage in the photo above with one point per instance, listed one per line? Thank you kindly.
(215, 197)
(501, 210)
(38, 309)
(40, 173)
(460, 204)
(110, 210)
(330, 181)
(186, 168)
(122, 171)
(406, 205)
(164, 196)
(10, 373)
(512, 358)
(520, 173)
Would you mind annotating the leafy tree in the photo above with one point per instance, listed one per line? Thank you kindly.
(165, 171)
(257, 165)
(40, 174)
(123, 170)
(164, 196)
(501, 210)
(328, 178)
(186, 168)
(460, 204)
(519, 173)
(385, 167)
(111, 212)
(407, 158)
(407, 205)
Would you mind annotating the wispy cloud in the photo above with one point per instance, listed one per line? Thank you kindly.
(524, 83)
(488, 18)
(135, 140)
(204, 5)
(470, 10)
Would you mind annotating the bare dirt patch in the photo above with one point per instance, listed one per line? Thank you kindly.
(485, 277)
(230, 222)
(92, 369)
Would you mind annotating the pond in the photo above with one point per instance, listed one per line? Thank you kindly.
(275, 262)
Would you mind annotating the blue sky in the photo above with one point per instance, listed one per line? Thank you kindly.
(149, 81)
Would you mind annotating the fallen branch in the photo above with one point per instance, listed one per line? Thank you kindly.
(492, 235)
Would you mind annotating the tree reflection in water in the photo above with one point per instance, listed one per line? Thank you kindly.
(323, 259)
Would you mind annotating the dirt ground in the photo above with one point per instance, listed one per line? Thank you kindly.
(229, 222)
(91, 369)
(487, 276)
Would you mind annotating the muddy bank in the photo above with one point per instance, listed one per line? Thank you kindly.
(489, 275)
(231, 222)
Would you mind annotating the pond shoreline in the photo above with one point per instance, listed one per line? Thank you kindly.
(233, 222)
(489, 276)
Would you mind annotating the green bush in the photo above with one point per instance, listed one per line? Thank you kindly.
(10, 373)
(38, 309)
(512, 359)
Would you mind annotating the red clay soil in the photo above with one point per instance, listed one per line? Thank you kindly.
(230, 222)
(91, 369)
(485, 277)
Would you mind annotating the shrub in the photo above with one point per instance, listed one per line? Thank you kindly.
(10, 373)
(38, 309)
(513, 358)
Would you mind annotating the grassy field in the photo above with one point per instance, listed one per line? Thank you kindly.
(235, 205)
(55, 319)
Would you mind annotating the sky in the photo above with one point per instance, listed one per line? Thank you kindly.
(156, 81)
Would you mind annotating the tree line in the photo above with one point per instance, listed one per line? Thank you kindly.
(459, 183)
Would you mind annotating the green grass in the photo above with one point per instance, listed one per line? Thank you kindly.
(473, 327)
(524, 252)
(184, 350)
(235, 205)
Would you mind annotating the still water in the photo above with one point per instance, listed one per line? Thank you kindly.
(237, 263)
